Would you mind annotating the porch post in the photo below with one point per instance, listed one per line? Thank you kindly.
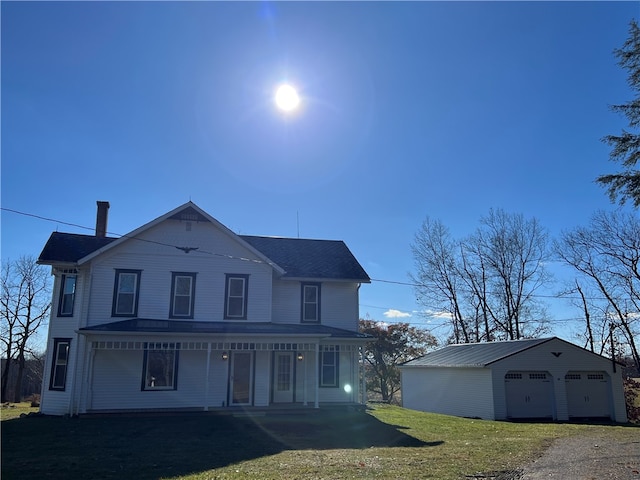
(206, 380)
(92, 361)
(363, 388)
(317, 382)
(304, 379)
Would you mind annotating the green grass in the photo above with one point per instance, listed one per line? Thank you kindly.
(386, 442)
(13, 410)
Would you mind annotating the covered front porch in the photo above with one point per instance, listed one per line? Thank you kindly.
(146, 371)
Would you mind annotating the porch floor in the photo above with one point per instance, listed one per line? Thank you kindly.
(237, 411)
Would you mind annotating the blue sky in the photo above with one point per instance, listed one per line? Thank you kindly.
(408, 110)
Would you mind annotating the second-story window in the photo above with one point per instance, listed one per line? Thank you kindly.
(125, 293)
(236, 290)
(67, 295)
(183, 288)
(310, 302)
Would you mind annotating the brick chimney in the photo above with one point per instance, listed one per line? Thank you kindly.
(101, 219)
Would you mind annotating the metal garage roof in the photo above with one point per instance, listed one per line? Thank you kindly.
(474, 354)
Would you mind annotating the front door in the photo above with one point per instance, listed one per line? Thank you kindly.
(283, 377)
(241, 378)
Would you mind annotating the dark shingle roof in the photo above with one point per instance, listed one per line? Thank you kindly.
(71, 247)
(302, 258)
(143, 325)
(474, 354)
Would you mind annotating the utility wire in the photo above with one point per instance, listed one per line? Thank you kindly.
(233, 257)
(118, 236)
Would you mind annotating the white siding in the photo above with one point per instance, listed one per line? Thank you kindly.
(306, 372)
(339, 306)
(117, 382)
(157, 262)
(347, 377)
(55, 402)
(286, 301)
(218, 375)
(338, 303)
(262, 379)
(447, 391)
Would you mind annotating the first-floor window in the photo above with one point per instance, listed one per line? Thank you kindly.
(329, 359)
(160, 369)
(59, 364)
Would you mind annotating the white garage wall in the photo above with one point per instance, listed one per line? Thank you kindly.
(464, 392)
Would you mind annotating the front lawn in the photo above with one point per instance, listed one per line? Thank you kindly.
(385, 442)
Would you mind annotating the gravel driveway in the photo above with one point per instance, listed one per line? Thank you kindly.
(587, 458)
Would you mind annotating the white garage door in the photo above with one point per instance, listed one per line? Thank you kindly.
(529, 394)
(588, 394)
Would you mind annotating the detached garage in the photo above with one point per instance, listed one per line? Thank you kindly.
(545, 379)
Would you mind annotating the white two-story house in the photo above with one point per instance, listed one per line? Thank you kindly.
(184, 314)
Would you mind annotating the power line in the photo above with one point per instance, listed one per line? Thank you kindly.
(118, 236)
(187, 249)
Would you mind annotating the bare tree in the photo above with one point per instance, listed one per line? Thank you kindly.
(514, 251)
(438, 274)
(606, 254)
(25, 304)
(487, 281)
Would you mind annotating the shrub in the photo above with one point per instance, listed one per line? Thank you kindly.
(632, 398)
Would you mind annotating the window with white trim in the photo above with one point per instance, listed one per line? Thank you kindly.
(236, 293)
(160, 369)
(67, 295)
(59, 364)
(311, 302)
(183, 287)
(125, 293)
(329, 366)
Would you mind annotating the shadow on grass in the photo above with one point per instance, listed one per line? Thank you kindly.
(150, 447)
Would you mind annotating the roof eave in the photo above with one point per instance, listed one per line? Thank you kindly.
(57, 263)
(87, 332)
(325, 279)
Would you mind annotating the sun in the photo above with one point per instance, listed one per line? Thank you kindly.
(287, 98)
